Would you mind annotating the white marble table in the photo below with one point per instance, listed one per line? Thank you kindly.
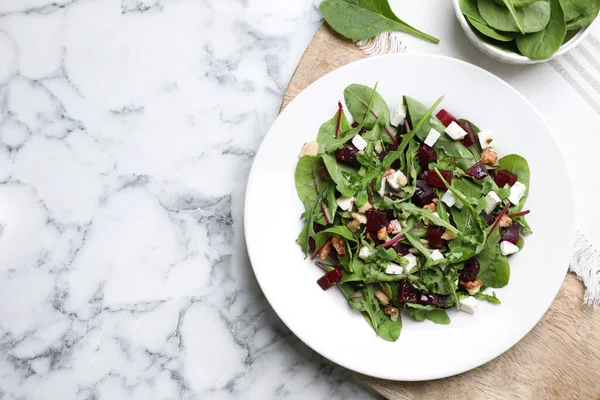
(127, 129)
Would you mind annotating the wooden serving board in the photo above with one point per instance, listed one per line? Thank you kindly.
(558, 359)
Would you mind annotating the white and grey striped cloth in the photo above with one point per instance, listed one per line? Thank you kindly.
(565, 90)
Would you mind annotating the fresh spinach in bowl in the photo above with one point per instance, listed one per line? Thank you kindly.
(535, 29)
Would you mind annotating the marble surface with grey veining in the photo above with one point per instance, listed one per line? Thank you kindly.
(127, 128)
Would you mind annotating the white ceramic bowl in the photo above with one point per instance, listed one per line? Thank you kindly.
(512, 58)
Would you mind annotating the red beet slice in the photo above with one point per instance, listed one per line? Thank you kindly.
(434, 236)
(426, 155)
(489, 218)
(330, 279)
(446, 118)
(434, 180)
(511, 233)
(436, 300)
(377, 219)
(401, 248)
(470, 138)
(477, 171)
(407, 293)
(402, 128)
(503, 177)
(470, 271)
(423, 193)
(423, 175)
(347, 154)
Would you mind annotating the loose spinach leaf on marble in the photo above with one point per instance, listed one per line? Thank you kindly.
(364, 19)
(541, 45)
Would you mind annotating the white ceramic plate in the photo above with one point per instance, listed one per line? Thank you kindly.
(323, 319)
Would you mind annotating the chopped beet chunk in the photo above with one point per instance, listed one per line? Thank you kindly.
(377, 219)
(470, 271)
(426, 155)
(489, 218)
(477, 171)
(407, 293)
(423, 193)
(470, 138)
(434, 236)
(511, 233)
(436, 300)
(446, 118)
(330, 279)
(433, 179)
(401, 248)
(503, 177)
(347, 154)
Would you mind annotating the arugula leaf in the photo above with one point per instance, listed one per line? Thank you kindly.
(423, 213)
(418, 245)
(379, 321)
(486, 297)
(364, 19)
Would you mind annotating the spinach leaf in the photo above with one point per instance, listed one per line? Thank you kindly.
(364, 19)
(495, 270)
(358, 98)
(586, 18)
(491, 32)
(415, 111)
(542, 44)
(326, 133)
(340, 173)
(469, 9)
(421, 312)
(534, 17)
(517, 3)
(519, 166)
(486, 297)
(309, 184)
(574, 8)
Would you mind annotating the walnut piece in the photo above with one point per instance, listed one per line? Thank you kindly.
(339, 245)
(392, 312)
(382, 234)
(472, 286)
(489, 156)
(383, 299)
(354, 226)
(325, 250)
(505, 221)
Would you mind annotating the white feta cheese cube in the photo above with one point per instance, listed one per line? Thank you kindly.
(359, 142)
(485, 139)
(436, 255)
(507, 248)
(469, 305)
(449, 198)
(395, 226)
(394, 269)
(396, 179)
(432, 137)
(517, 191)
(345, 203)
(365, 253)
(491, 200)
(397, 114)
(455, 131)
(381, 190)
(309, 149)
(412, 262)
